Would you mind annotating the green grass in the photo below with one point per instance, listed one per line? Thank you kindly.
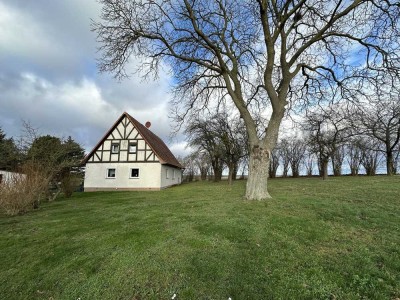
(334, 239)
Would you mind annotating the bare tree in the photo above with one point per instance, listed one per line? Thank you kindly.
(353, 156)
(297, 148)
(284, 155)
(327, 131)
(379, 118)
(337, 160)
(291, 152)
(190, 167)
(224, 140)
(202, 162)
(309, 160)
(274, 163)
(202, 134)
(233, 137)
(369, 156)
(258, 55)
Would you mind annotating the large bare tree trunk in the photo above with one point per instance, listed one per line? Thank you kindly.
(256, 188)
(259, 157)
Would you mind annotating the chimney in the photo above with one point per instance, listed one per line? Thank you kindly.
(148, 124)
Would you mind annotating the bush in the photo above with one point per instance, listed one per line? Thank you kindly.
(70, 183)
(23, 191)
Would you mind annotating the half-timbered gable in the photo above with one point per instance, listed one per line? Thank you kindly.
(130, 156)
(123, 143)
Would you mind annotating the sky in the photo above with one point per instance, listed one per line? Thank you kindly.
(49, 77)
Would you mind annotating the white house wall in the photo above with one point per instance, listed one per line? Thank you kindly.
(96, 176)
(9, 177)
(174, 176)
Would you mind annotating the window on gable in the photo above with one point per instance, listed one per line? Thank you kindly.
(134, 173)
(114, 148)
(111, 173)
(132, 147)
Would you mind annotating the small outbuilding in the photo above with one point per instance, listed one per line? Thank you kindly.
(130, 157)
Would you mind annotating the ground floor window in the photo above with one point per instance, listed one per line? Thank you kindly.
(111, 173)
(134, 173)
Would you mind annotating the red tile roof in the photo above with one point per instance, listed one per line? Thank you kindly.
(156, 144)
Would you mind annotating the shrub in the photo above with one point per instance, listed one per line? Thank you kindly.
(70, 183)
(23, 191)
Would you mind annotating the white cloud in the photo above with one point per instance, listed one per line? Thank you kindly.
(52, 38)
(48, 75)
(76, 108)
(181, 149)
(17, 30)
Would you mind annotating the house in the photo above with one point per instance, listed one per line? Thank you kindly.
(8, 177)
(130, 157)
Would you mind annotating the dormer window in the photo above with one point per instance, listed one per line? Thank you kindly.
(114, 148)
(132, 147)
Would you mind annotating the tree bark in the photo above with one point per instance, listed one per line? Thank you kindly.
(217, 175)
(256, 188)
(295, 170)
(354, 171)
(217, 168)
(389, 163)
(230, 174)
(235, 170)
(324, 169)
(285, 171)
(203, 174)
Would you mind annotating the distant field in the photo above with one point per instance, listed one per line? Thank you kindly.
(334, 239)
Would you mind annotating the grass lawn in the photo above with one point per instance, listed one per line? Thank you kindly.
(334, 239)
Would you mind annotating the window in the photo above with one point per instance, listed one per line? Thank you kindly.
(132, 147)
(114, 148)
(110, 173)
(173, 174)
(134, 173)
(167, 173)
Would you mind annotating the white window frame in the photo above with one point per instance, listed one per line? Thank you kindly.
(107, 173)
(130, 173)
(129, 147)
(112, 148)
